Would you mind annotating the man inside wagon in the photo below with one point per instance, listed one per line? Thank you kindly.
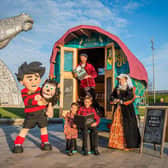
(87, 83)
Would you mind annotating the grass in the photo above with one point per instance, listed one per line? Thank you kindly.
(142, 111)
(10, 112)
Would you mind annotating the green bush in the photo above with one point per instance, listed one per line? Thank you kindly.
(150, 99)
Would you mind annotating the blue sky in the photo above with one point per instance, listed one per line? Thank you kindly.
(135, 22)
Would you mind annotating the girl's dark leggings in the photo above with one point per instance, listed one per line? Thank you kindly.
(71, 145)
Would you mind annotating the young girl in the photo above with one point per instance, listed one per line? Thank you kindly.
(70, 130)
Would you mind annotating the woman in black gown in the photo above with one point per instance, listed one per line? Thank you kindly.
(124, 132)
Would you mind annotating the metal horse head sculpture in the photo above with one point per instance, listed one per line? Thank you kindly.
(10, 27)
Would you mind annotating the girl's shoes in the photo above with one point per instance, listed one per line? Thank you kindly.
(74, 151)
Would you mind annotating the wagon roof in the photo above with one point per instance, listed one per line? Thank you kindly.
(137, 69)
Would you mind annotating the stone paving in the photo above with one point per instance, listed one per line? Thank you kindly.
(33, 157)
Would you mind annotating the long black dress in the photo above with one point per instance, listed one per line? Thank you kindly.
(130, 128)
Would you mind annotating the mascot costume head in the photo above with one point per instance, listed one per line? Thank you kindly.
(50, 91)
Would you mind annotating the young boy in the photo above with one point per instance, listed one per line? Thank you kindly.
(85, 110)
(29, 75)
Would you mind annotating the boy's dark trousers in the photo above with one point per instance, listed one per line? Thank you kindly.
(93, 139)
(71, 145)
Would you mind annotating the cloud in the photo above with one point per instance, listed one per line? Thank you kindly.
(52, 18)
(129, 7)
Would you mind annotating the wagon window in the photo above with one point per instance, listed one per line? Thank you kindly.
(68, 60)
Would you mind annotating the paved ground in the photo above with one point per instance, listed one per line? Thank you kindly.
(33, 157)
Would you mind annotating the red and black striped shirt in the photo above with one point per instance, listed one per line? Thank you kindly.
(31, 104)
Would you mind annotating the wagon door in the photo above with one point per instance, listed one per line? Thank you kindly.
(68, 84)
(109, 77)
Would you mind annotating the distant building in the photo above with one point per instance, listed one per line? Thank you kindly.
(9, 89)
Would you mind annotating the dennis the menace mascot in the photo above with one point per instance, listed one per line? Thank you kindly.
(29, 75)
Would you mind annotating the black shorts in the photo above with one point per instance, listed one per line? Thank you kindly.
(36, 118)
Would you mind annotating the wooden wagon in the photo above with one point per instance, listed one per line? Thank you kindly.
(110, 57)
